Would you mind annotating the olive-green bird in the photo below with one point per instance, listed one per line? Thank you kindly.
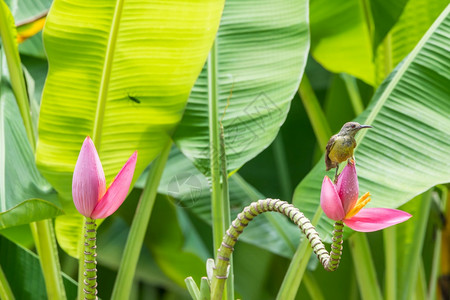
(340, 146)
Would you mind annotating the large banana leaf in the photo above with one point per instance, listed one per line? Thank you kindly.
(353, 29)
(25, 196)
(24, 10)
(262, 48)
(24, 274)
(403, 37)
(342, 27)
(190, 189)
(121, 74)
(408, 150)
(385, 14)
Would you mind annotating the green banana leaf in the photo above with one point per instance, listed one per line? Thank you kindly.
(25, 10)
(121, 74)
(342, 27)
(112, 235)
(385, 14)
(407, 151)
(403, 37)
(353, 30)
(25, 196)
(23, 272)
(189, 189)
(166, 243)
(166, 239)
(261, 55)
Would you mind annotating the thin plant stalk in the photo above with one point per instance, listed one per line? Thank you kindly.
(364, 268)
(8, 33)
(421, 286)
(312, 286)
(315, 113)
(436, 262)
(409, 275)
(214, 153)
(5, 289)
(390, 254)
(220, 206)
(48, 256)
(226, 206)
(43, 232)
(388, 61)
(282, 167)
(353, 92)
(124, 279)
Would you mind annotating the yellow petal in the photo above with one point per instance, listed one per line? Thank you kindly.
(30, 28)
(359, 205)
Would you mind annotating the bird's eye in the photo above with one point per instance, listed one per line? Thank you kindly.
(353, 126)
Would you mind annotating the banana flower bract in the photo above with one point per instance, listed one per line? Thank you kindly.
(90, 195)
(340, 203)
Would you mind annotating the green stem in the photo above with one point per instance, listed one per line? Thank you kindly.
(217, 207)
(390, 254)
(421, 286)
(364, 267)
(409, 275)
(297, 267)
(316, 116)
(330, 261)
(365, 5)
(312, 287)
(90, 262)
(353, 92)
(124, 279)
(282, 167)
(44, 236)
(226, 207)
(388, 63)
(5, 289)
(7, 33)
(436, 262)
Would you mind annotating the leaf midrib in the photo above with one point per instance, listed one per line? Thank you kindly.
(106, 75)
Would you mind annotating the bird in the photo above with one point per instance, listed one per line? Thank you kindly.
(340, 146)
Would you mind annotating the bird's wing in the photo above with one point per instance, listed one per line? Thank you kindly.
(328, 163)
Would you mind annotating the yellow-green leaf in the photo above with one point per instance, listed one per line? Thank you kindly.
(102, 55)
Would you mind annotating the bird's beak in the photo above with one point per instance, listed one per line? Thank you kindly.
(364, 126)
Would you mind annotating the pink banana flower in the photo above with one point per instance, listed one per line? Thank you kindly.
(90, 195)
(340, 203)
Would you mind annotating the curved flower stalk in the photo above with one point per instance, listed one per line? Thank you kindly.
(330, 261)
(95, 201)
(340, 203)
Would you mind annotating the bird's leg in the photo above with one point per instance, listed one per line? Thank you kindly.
(336, 174)
(351, 160)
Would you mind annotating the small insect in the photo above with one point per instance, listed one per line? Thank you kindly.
(134, 99)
